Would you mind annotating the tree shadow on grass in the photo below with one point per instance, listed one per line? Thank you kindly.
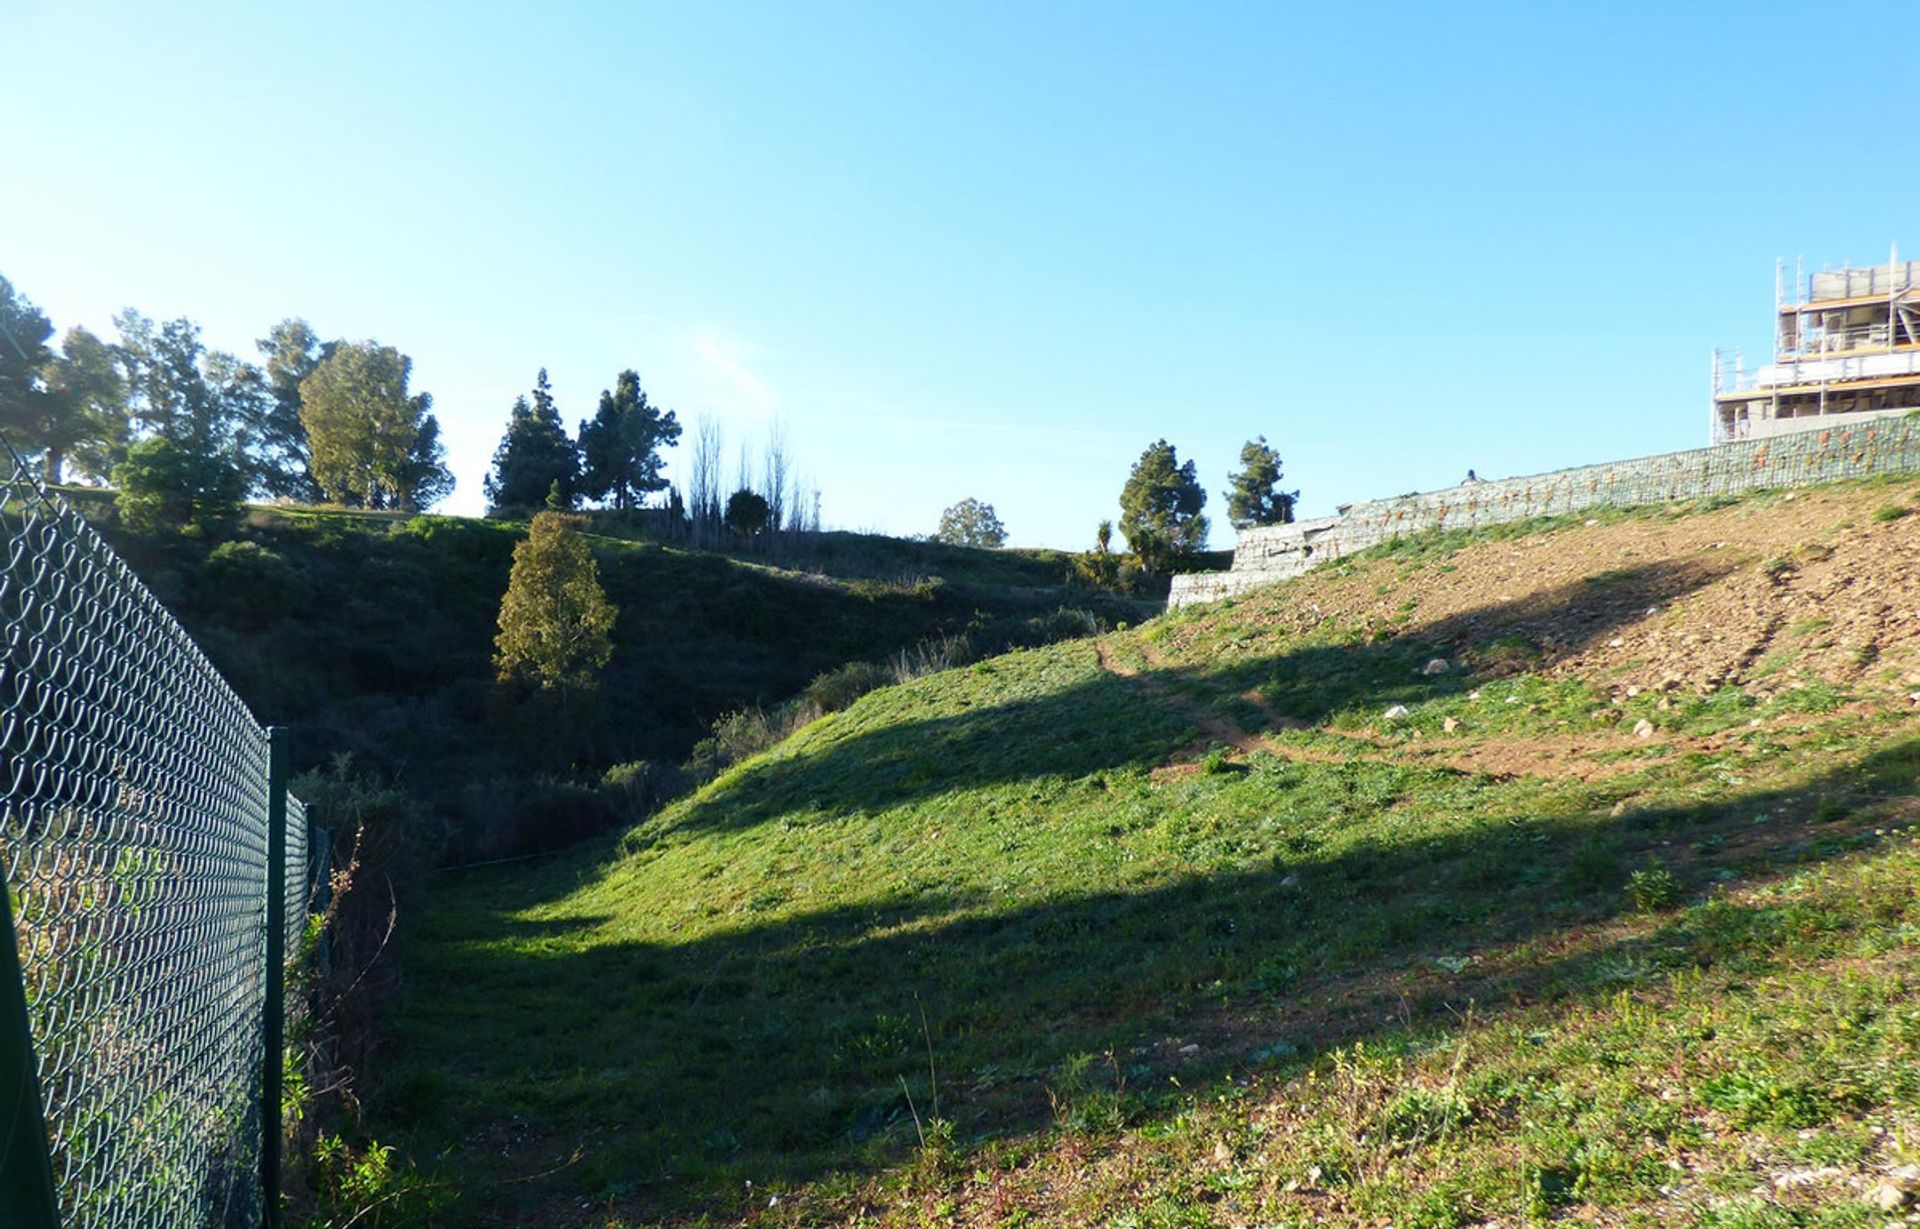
(788, 1050)
(1110, 723)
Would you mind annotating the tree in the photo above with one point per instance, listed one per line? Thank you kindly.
(281, 462)
(555, 621)
(171, 395)
(620, 447)
(426, 479)
(777, 469)
(165, 485)
(24, 330)
(372, 443)
(1160, 508)
(244, 406)
(1100, 567)
(971, 523)
(84, 411)
(747, 512)
(1253, 494)
(703, 477)
(534, 454)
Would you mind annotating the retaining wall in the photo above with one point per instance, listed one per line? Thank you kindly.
(1274, 552)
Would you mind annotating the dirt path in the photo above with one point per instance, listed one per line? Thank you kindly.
(1215, 728)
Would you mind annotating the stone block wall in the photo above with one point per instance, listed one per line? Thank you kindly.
(1854, 450)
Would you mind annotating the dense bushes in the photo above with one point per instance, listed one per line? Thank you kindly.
(249, 585)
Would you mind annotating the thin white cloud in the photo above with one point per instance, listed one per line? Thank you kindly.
(726, 357)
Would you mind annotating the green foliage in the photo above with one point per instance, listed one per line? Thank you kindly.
(534, 454)
(24, 330)
(85, 409)
(1100, 567)
(1160, 509)
(1890, 512)
(1254, 496)
(282, 464)
(837, 688)
(971, 523)
(1417, 1115)
(365, 1185)
(555, 621)
(249, 584)
(204, 402)
(165, 486)
(1760, 1098)
(747, 512)
(1654, 887)
(637, 788)
(372, 442)
(744, 733)
(620, 447)
(69, 402)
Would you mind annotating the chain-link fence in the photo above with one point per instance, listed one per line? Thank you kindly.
(155, 871)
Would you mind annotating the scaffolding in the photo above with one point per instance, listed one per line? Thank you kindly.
(1846, 342)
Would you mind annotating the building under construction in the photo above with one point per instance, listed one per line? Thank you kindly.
(1846, 346)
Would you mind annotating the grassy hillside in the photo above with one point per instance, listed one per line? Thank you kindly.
(1561, 874)
(372, 634)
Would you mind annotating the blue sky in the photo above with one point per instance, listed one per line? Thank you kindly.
(983, 249)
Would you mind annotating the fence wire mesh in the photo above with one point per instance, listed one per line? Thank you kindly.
(133, 841)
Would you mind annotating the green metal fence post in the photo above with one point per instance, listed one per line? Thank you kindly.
(274, 1060)
(26, 1167)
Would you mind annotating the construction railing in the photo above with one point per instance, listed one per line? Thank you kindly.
(156, 883)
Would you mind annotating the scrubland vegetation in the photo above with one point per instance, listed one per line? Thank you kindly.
(1563, 874)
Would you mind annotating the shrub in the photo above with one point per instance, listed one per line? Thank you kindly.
(248, 584)
(1890, 512)
(1653, 888)
(504, 818)
(836, 689)
(1069, 623)
(747, 732)
(638, 788)
(167, 488)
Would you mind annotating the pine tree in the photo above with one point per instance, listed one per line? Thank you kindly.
(620, 447)
(1253, 494)
(1160, 508)
(555, 621)
(534, 454)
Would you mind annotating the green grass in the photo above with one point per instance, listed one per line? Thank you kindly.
(995, 897)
